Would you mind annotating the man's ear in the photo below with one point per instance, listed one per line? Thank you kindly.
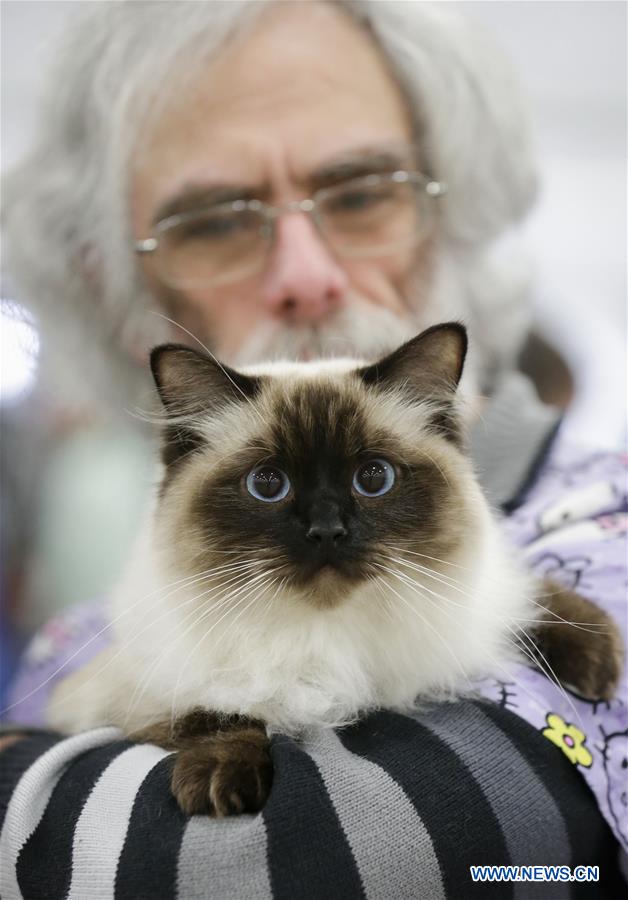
(190, 382)
(427, 367)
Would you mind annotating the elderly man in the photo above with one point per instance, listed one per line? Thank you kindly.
(186, 114)
(289, 179)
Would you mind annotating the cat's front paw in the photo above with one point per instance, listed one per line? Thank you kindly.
(224, 774)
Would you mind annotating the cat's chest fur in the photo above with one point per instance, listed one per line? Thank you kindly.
(294, 665)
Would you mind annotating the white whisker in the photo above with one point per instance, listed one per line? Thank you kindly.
(253, 586)
(425, 621)
(180, 584)
(545, 668)
(447, 581)
(195, 613)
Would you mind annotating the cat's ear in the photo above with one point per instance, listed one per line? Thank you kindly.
(191, 383)
(427, 367)
(429, 364)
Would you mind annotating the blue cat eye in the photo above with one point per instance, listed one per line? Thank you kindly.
(374, 478)
(267, 483)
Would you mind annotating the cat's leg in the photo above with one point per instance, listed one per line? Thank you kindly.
(223, 765)
(586, 655)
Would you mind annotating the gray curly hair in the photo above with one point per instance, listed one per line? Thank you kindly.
(68, 244)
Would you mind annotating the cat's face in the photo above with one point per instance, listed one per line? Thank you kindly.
(321, 472)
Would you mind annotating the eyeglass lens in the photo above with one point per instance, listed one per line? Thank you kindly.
(362, 217)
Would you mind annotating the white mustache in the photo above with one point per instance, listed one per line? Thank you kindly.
(356, 331)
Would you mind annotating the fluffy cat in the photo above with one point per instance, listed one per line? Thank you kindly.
(319, 548)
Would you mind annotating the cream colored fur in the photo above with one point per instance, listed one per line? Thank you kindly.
(270, 653)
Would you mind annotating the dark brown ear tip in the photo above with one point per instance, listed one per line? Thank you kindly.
(463, 334)
(461, 328)
(458, 327)
(463, 337)
(155, 356)
(454, 328)
(158, 352)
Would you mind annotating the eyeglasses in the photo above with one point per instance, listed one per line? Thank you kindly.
(372, 215)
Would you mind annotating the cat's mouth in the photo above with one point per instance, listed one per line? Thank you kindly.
(328, 583)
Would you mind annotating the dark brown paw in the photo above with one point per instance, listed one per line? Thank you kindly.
(224, 774)
(596, 675)
(586, 656)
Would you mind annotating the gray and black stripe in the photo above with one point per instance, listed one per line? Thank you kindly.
(393, 807)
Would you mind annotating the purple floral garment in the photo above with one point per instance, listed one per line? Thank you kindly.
(573, 527)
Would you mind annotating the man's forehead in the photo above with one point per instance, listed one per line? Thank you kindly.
(302, 90)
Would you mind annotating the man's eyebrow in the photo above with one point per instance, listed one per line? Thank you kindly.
(357, 164)
(198, 196)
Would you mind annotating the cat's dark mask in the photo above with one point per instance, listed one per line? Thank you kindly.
(333, 464)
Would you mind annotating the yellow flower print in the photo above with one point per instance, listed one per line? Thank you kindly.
(569, 738)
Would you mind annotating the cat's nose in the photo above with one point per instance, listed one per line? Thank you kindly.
(326, 534)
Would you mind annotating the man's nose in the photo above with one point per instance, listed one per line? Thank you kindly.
(303, 281)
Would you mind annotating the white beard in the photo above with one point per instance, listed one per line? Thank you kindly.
(358, 329)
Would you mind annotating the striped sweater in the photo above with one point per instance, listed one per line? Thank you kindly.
(351, 814)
